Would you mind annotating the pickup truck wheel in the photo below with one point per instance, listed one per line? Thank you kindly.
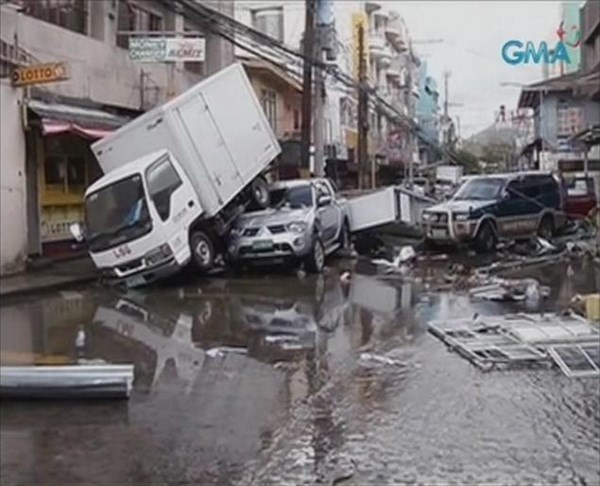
(315, 261)
(344, 239)
(546, 227)
(203, 251)
(259, 190)
(485, 241)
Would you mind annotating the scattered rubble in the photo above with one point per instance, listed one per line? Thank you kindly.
(489, 342)
(368, 359)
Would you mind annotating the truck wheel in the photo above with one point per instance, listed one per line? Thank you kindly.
(315, 260)
(485, 241)
(259, 191)
(203, 251)
(546, 227)
(344, 238)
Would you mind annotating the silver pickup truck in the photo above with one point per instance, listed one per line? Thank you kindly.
(306, 221)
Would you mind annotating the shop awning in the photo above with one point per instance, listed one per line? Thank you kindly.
(89, 123)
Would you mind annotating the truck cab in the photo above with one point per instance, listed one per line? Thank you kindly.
(137, 219)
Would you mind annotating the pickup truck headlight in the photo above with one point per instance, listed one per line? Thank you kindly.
(158, 254)
(297, 227)
(427, 216)
(461, 216)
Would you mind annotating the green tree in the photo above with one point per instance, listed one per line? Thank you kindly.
(468, 160)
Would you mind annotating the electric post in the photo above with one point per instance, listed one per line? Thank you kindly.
(319, 104)
(363, 122)
(309, 49)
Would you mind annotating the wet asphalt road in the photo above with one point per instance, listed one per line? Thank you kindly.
(263, 380)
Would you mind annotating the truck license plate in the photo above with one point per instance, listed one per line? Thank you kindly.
(439, 233)
(262, 245)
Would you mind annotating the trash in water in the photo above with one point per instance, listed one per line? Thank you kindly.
(366, 358)
(517, 339)
(220, 351)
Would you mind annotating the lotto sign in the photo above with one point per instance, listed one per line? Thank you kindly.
(40, 73)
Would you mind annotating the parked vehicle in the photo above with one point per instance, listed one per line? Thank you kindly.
(581, 196)
(307, 220)
(447, 180)
(175, 179)
(487, 208)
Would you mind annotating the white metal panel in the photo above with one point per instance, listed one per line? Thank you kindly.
(242, 124)
(210, 147)
(373, 210)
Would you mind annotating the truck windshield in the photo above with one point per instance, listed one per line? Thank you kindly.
(116, 214)
(480, 189)
(293, 197)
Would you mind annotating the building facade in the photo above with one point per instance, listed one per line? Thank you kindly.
(428, 114)
(58, 121)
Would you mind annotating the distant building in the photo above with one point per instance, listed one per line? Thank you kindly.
(428, 113)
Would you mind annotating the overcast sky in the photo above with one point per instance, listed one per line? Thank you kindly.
(473, 33)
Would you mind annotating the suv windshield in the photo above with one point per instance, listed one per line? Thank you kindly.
(293, 197)
(116, 214)
(480, 189)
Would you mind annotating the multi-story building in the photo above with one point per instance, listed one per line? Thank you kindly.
(46, 162)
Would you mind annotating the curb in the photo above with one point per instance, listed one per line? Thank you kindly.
(58, 285)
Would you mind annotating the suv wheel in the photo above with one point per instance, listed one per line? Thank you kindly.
(486, 239)
(315, 260)
(546, 227)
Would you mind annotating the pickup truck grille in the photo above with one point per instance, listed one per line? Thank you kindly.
(439, 217)
(130, 265)
(251, 231)
(276, 229)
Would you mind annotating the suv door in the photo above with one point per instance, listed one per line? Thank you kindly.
(518, 209)
(328, 213)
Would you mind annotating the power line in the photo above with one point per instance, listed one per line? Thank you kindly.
(227, 27)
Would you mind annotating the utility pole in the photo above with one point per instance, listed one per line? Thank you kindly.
(319, 102)
(309, 49)
(363, 122)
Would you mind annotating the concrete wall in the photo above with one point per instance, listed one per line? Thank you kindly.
(13, 211)
(99, 70)
(287, 100)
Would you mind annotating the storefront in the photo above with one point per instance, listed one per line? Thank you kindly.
(62, 166)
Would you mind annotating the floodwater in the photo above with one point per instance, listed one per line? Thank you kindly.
(287, 380)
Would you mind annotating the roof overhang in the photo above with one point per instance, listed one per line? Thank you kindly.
(278, 75)
(57, 118)
(590, 136)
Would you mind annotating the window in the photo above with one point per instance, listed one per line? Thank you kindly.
(162, 180)
(132, 17)
(269, 105)
(70, 14)
(269, 21)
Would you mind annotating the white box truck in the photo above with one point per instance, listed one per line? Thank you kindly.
(175, 178)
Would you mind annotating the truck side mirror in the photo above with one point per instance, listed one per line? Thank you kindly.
(77, 232)
(323, 201)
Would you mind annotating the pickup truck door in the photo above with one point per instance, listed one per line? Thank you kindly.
(329, 214)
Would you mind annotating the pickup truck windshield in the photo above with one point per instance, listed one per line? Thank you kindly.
(116, 214)
(480, 189)
(294, 197)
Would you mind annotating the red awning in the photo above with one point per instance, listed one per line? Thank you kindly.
(54, 127)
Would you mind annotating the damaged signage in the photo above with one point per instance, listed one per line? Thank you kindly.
(162, 49)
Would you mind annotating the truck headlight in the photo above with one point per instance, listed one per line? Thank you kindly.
(297, 227)
(427, 216)
(461, 216)
(158, 254)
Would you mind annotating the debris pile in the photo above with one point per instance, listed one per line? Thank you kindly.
(490, 342)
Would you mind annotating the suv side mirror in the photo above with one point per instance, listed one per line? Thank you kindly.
(324, 201)
(77, 231)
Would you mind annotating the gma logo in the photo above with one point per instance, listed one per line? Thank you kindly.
(515, 52)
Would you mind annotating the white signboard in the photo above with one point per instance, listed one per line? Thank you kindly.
(161, 49)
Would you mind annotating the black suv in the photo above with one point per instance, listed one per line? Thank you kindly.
(490, 207)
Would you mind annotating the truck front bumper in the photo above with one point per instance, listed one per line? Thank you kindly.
(143, 277)
(281, 247)
(454, 232)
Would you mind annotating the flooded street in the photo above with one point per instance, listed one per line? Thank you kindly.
(290, 380)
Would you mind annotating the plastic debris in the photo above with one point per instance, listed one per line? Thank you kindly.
(345, 278)
(70, 381)
(372, 358)
(407, 254)
(221, 351)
